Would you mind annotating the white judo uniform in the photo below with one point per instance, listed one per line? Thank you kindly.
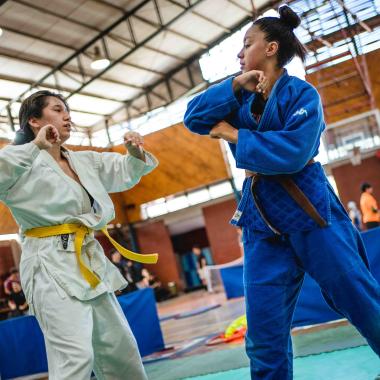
(84, 327)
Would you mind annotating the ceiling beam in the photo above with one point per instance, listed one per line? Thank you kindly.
(3, 98)
(60, 44)
(141, 43)
(121, 40)
(251, 12)
(55, 88)
(155, 24)
(170, 77)
(49, 64)
(84, 48)
(201, 16)
(336, 36)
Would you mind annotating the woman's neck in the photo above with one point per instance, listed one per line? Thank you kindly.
(272, 74)
(55, 152)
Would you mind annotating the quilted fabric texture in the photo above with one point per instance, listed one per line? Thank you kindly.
(280, 208)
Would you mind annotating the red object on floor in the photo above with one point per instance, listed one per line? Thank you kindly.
(236, 337)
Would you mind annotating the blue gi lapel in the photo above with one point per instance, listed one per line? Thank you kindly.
(271, 104)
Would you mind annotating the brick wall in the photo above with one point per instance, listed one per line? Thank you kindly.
(223, 237)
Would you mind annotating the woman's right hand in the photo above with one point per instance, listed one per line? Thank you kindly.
(47, 136)
(253, 81)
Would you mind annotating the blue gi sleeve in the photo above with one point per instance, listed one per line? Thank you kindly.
(284, 148)
(15, 160)
(211, 107)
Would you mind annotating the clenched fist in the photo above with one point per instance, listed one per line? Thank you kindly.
(253, 80)
(225, 131)
(47, 136)
(133, 141)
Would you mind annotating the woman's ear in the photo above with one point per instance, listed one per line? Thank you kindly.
(272, 48)
(34, 124)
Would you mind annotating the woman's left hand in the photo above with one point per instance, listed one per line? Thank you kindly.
(133, 141)
(225, 131)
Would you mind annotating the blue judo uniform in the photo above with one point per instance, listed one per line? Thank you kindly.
(283, 142)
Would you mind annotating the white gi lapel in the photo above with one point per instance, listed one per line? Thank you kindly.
(47, 159)
(88, 183)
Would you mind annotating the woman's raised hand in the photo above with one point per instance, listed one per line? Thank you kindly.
(253, 81)
(47, 136)
(133, 141)
(225, 131)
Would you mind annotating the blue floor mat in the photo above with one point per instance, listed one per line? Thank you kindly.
(358, 363)
(197, 311)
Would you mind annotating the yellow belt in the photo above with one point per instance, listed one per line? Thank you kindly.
(80, 232)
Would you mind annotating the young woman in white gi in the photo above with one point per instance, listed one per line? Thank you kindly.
(68, 281)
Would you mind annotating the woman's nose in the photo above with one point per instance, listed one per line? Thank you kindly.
(240, 54)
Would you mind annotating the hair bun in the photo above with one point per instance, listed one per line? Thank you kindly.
(289, 17)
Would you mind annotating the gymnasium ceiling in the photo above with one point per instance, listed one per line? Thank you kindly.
(153, 47)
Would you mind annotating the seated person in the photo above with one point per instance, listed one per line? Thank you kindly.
(200, 263)
(13, 276)
(16, 300)
(124, 269)
(135, 272)
(151, 281)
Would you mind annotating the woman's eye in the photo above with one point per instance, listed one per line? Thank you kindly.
(246, 46)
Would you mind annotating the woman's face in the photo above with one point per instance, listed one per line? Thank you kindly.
(253, 54)
(55, 113)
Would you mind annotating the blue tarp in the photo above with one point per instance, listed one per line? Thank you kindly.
(22, 349)
(311, 306)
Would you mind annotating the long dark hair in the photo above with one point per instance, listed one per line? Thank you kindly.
(33, 106)
(281, 30)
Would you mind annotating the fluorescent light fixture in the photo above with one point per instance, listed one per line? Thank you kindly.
(10, 237)
(99, 62)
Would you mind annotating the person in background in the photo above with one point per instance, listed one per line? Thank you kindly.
(16, 300)
(134, 272)
(13, 277)
(355, 215)
(160, 292)
(369, 208)
(121, 264)
(200, 263)
(116, 259)
(151, 281)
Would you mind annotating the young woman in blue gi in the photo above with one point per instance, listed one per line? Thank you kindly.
(59, 197)
(273, 123)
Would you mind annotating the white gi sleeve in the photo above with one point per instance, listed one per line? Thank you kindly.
(119, 172)
(15, 160)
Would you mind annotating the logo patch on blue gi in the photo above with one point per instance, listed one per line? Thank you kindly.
(237, 215)
(300, 112)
